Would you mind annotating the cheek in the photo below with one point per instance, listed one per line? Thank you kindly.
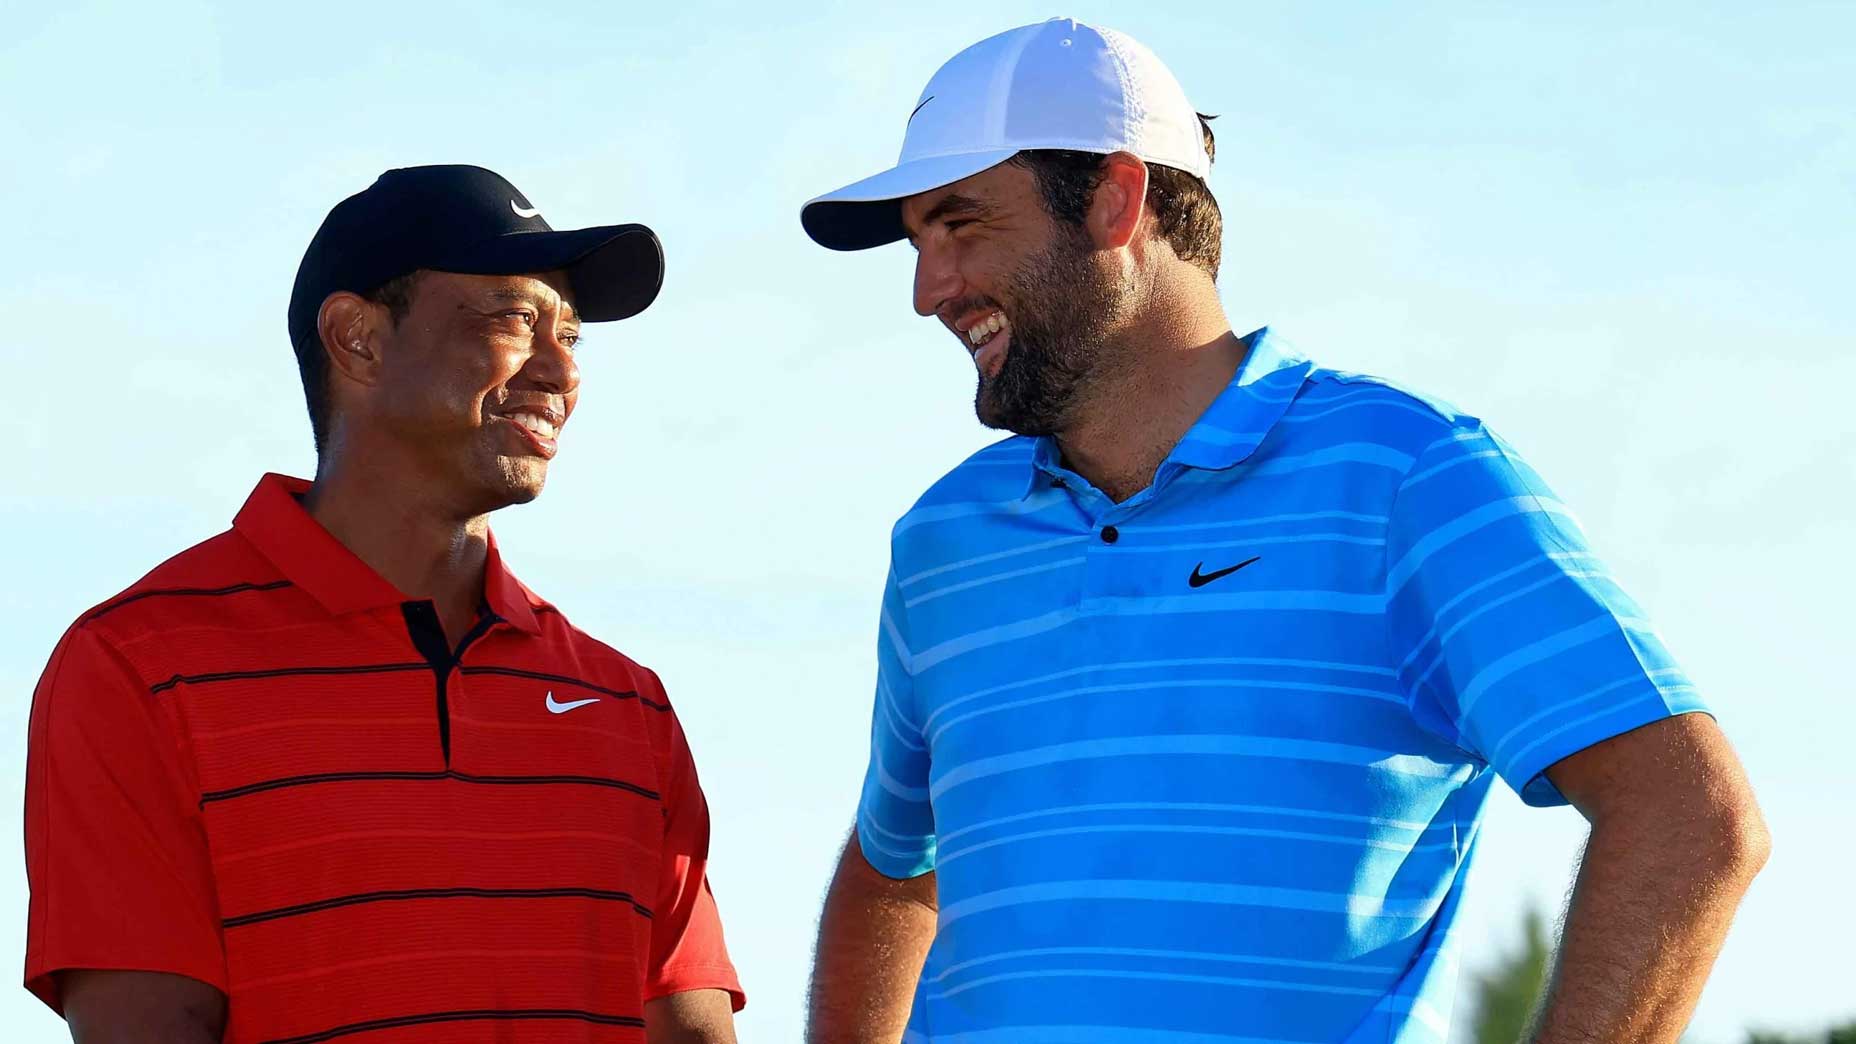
(483, 381)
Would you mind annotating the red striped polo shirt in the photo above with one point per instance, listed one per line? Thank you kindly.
(266, 768)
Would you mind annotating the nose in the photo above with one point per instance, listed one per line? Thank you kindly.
(937, 278)
(552, 367)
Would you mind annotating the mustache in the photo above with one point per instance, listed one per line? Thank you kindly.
(971, 303)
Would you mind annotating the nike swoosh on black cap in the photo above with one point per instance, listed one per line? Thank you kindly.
(458, 218)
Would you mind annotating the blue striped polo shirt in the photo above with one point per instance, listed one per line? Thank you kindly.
(1208, 765)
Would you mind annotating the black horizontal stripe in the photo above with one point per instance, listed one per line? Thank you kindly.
(498, 1015)
(284, 672)
(198, 592)
(517, 672)
(421, 777)
(402, 895)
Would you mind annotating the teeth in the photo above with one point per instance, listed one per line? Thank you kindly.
(535, 424)
(981, 332)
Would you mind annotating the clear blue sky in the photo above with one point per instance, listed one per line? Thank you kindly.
(1626, 239)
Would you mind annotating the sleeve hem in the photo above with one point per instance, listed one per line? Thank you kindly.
(685, 978)
(42, 982)
(896, 868)
(1537, 790)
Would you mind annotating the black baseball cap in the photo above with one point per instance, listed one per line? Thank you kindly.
(456, 218)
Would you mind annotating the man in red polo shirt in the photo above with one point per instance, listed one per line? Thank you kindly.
(335, 774)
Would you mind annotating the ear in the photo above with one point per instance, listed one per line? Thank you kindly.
(1120, 201)
(351, 329)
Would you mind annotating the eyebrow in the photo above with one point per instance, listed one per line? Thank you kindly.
(513, 296)
(951, 205)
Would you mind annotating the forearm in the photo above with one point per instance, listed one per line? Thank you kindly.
(1650, 909)
(873, 936)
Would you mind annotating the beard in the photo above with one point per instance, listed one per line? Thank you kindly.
(1064, 306)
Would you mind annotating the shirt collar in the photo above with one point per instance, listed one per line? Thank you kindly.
(1241, 417)
(274, 522)
(1232, 427)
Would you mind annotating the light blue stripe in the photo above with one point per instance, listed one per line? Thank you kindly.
(1474, 589)
(1443, 640)
(1213, 436)
(948, 856)
(1451, 532)
(1436, 469)
(870, 832)
(1210, 893)
(1245, 601)
(967, 585)
(1355, 967)
(1372, 453)
(1559, 709)
(1177, 745)
(913, 795)
(1300, 538)
(897, 643)
(1149, 686)
(1520, 756)
(1043, 545)
(892, 716)
(1530, 654)
(1159, 665)
(1001, 508)
(1202, 980)
(1269, 520)
(1381, 402)
(1166, 806)
(966, 643)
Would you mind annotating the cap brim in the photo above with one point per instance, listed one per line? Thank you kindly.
(615, 270)
(868, 213)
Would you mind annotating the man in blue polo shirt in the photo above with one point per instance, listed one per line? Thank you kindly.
(1191, 694)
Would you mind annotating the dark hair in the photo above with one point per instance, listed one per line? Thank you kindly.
(312, 364)
(1186, 214)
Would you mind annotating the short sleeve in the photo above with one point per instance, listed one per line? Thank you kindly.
(687, 950)
(1513, 640)
(895, 822)
(116, 853)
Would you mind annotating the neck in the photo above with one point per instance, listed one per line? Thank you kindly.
(425, 548)
(1158, 379)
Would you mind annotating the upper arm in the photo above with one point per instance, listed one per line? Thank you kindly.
(687, 949)
(691, 1017)
(107, 1007)
(895, 820)
(1512, 639)
(1676, 772)
(116, 852)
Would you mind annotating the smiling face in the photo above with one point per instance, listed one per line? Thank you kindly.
(473, 383)
(1029, 297)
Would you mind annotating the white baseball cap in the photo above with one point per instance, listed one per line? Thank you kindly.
(1056, 85)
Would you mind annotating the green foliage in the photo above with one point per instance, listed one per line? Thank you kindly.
(1844, 1034)
(1507, 994)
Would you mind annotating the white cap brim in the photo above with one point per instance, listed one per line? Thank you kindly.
(868, 213)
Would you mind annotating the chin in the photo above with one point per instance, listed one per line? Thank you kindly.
(514, 482)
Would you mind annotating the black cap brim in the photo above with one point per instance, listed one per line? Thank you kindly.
(615, 270)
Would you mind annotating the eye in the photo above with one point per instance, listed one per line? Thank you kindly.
(958, 223)
(571, 339)
(529, 319)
